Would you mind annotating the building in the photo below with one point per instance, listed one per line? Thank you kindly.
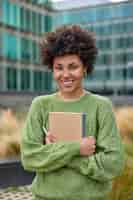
(113, 25)
(22, 22)
(21, 73)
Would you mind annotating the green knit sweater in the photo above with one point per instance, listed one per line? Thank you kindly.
(61, 173)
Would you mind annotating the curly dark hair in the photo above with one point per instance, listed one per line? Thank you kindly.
(69, 39)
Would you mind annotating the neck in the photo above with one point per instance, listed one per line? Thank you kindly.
(71, 97)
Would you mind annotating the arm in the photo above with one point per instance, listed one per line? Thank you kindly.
(108, 160)
(35, 155)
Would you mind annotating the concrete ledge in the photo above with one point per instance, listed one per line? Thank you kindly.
(13, 174)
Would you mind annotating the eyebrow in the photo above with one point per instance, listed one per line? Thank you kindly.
(68, 64)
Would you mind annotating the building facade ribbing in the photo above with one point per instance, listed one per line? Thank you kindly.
(113, 26)
(21, 25)
(23, 22)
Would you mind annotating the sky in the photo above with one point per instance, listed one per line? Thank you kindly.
(110, 0)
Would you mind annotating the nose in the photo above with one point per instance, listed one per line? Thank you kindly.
(66, 73)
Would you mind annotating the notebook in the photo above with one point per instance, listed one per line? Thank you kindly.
(67, 126)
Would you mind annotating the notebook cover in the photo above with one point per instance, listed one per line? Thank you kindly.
(67, 126)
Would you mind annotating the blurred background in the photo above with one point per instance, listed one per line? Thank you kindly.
(22, 76)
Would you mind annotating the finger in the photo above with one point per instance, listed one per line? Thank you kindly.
(91, 153)
(92, 148)
(92, 138)
(52, 138)
(47, 140)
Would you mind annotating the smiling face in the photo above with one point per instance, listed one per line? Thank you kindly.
(68, 72)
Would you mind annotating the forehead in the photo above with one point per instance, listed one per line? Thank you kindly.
(67, 59)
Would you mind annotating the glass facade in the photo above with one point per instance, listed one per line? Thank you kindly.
(113, 25)
(19, 50)
(22, 24)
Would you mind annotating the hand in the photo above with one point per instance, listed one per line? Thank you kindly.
(50, 138)
(87, 146)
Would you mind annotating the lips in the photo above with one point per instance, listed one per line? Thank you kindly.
(67, 83)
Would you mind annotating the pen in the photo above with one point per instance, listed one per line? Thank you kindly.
(45, 130)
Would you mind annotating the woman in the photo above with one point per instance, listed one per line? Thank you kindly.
(71, 170)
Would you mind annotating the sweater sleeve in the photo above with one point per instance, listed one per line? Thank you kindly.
(108, 161)
(36, 156)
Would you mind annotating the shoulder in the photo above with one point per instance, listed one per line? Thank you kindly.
(101, 102)
(99, 99)
(43, 100)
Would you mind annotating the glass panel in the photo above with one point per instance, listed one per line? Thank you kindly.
(11, 78)
(40, 26)
(6, 11)
(129, 56)
(118, 74)
(22, 18)
(1, 11)
(25, 79)
(120, 58)
(9, 46)
(43, 24)
(1, 44)
(48, 23)
(25, 50)
(127, 9)
(95, 14)
(34, 24)
(99, 75)
(129, 26)
(47, 76)
(2, 77)
(35, 53)
(13, 15)
(130, 73)
(104, 44)
(27, 20)
(38, 80)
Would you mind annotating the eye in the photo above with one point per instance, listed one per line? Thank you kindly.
(73, 67)
(58, 67)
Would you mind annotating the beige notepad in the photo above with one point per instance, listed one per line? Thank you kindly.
(67, 126)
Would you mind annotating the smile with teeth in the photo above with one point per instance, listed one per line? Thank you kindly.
(67, 83)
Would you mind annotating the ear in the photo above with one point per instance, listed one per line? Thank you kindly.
(85, 72)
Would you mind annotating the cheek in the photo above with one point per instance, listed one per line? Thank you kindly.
(56, 75)
(79, 74)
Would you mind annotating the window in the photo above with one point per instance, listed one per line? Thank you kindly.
(120, 58)
(2, 77)
(35, 53)
(11, 78)
(0, 44)
(9, 46)
(42, 81)
(100, 74)
(129, 56)
(13, 15)
(25, 79)
(34, 22)
(25, 50)
(117, 74)
(22, 18)
(39, 28)
(129, 26)
(27, 20)
(6, 11)
(130, 73)
(48, 23)
(38, 81)
(47, 77)
(1, 11)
